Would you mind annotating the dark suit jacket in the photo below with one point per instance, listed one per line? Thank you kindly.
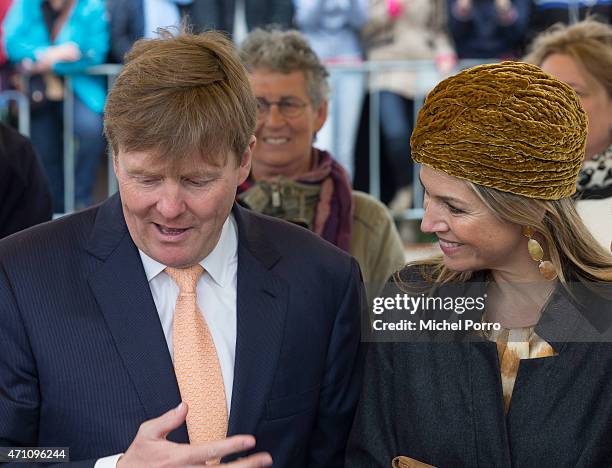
(25, 199)
(126, 27)
(84, 360)
(219, 14)
(441, 402)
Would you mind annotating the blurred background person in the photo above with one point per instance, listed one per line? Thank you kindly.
(403, 30)
(332, 28)
(162, 14)
(4, 7)
(25, 199)
(50, 39)
(486, 29)
(293, 180)
(535, 391)
(131, 20)
(127, 25)
(581, 56)
(545, 13)
(238, 17)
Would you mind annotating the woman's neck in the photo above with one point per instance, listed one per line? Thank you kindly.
(516, 298)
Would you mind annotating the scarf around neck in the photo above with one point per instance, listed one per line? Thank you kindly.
(333, 207)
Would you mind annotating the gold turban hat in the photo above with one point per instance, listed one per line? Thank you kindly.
(508, 126)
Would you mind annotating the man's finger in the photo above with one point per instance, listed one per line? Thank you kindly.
(215, 450)
(161, 426)
(252, 461)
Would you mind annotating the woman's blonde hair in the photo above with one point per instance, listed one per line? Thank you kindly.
(570, 246)
(588, 42)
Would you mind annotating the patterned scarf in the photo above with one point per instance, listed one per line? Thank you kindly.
(333, 213)
(595, 179)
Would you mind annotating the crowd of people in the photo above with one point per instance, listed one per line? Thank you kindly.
(219, 308)
(49, 39)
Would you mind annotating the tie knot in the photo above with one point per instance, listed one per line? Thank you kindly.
(186, 278)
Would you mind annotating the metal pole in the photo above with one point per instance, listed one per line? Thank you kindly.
(574, 11)
(374, 120)
(417, 188)
(24, 115)
(69, 162)
(335, 113)
(23, 109)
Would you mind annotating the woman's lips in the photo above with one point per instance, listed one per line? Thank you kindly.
(449, 247)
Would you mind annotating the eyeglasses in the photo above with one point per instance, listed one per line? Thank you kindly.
(288, 107)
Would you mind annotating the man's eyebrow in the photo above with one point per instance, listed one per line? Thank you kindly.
(202, 174)
(140, 171)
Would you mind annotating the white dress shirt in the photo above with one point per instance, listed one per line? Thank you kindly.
(216, 296)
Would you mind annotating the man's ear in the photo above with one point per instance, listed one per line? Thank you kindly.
(245, 160)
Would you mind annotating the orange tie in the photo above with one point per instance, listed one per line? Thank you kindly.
(196, 364)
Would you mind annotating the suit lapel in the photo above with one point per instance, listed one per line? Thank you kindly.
(122, 292)
(261, 309)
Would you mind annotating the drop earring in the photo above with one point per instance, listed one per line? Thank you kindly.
(536, 252)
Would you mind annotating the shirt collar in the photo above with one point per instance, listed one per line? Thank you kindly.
(218, 261)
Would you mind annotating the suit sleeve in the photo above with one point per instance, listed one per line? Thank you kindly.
(372, 443)
(342, 380)
(19, 394)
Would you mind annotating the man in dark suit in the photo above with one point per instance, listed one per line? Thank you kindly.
(150, 330)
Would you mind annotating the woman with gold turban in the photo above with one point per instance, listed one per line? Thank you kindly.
(527, 378)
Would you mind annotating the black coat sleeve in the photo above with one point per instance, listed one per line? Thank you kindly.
(25, 199)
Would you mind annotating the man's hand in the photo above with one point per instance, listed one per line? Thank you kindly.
(150, 449)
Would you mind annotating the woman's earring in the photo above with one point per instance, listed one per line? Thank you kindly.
(547, 269)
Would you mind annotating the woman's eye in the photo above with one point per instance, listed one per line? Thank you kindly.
(454, 210)
(581, 93)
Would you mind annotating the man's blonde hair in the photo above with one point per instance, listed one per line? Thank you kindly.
(182, 95)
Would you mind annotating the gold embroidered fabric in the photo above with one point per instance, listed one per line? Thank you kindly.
(513, 345)
(507, 126)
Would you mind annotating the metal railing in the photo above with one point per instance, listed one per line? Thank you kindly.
(23, 108)
(427, 77)
(110, 71)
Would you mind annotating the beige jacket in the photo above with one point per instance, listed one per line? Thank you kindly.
(375, 242)
(418, 34)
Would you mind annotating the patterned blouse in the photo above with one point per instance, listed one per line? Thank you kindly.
(513, 345)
